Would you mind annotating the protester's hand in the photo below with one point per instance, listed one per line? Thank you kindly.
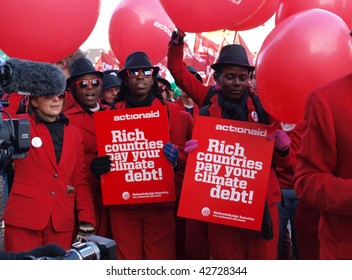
(191, 145)
(84, 230)
(100, 165)
(177, 38)
(266, 232)
(282, 141)
(172, 153)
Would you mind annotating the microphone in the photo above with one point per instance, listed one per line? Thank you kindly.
(32, 78)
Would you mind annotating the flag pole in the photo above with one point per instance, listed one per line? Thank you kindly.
(216, 58)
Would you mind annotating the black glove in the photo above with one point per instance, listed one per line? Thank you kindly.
(100, 165)
(49, 250)
(176, 39)
(266, 232)
(84, 230)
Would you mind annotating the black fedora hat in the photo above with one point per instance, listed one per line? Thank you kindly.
(234, 55)
(110, 81)
(137, 60)
(194, 72)
(82, 66)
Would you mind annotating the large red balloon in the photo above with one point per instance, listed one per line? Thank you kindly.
(267, 10)
(140, 26)
(209, 15)
(301, 53)
(342, 8)
(46, 30)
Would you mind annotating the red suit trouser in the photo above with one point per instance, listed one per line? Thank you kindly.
(21, 239)
(233, 243)
(143, 233)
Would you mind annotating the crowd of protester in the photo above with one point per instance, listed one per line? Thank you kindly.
(53, 194)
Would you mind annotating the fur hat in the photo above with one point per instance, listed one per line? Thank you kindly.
(233, 55)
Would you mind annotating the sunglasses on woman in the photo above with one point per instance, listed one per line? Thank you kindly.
(147, 72)
(60, 96)
(82, 84)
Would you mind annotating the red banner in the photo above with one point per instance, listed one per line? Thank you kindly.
(226, 178)
(140, 172)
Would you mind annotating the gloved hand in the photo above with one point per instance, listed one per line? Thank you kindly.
(172, 153)
(267, 232)
(176, 38)
(191, 145)
(100, 165)
(48, 250)
(84, 230)
(282, 141)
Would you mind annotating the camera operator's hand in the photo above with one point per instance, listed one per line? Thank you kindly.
(5, 156)
(84, 230)
(49, 250)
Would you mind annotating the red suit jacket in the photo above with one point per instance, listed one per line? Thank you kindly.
(43, 188)
(323, 176)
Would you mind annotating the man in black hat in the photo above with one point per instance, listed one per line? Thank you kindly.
(232, 100)
(110, 88)
(147, 231)
(85, 86)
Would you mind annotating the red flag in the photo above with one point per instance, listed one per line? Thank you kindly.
(107, 61)
(240, 41)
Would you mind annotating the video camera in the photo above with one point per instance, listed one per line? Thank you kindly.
(13, 132)
(92, 247)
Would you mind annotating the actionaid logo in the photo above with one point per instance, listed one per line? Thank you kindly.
(236, 2)
(162, 27)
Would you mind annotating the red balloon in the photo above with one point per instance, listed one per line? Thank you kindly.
(304, 51)
(140, 26)
(46, 30)
(342, 8)
(267, 10)
(209, 15)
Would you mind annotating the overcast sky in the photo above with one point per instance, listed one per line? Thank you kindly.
(99, 38)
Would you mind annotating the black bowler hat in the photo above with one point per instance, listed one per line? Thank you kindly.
(82, 66)
(164, 81)
(138, 60)
(110, 81)
(194, 72)
(233, 55)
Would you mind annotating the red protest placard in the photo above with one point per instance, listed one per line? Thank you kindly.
(134, 139)
(226, 178)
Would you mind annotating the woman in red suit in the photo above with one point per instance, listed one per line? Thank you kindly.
(50, 183)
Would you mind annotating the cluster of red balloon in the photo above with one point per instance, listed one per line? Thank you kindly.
(46, 30)
(309, 46)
